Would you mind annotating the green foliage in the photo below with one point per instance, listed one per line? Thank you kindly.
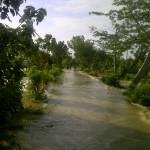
(32, 15)
(83, 51)
(92, 72)
(141, 94)
(148, 76)
(11, 72)
(55, 71)
(39, 80)
(130, 33)
(89, 58)
(67, 62)
(10, 101)
(129, 76)
(27, 20)
(111, 80)
(9, 6)
(57, 52)
(16, 49)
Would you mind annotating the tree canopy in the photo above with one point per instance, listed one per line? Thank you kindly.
(131, 24)
(9, 6)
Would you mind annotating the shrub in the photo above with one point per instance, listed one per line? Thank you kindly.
(141, 94)
(111, 80)
(129, 76)
(39, 80)
(148, 76)
(10, 101)
(55, 71)
(11, 73)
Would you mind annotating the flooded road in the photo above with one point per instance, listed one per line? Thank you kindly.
(85, 114)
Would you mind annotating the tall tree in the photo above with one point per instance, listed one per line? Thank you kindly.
(131, 21)
(31, 16)
(56, 51)
(14, 43)
(83, 51)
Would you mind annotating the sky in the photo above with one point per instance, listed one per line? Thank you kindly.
(67, 18)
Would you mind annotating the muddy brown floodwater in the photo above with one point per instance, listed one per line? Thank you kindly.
(85, 114)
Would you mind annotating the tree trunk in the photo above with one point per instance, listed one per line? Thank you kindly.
(142, 71)
(115, 64)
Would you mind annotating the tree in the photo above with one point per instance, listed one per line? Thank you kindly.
(15, 46)
(56, 51)
(130, 20)
(31, 16)
(84, 51)
(60, 53)
(9, 6)
(11, 72)
(111, 43)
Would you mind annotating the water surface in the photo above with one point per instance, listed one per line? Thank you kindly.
(85, 114)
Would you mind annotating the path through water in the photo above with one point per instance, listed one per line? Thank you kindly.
(85, 114)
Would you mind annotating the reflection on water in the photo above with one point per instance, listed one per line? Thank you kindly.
(86, 115)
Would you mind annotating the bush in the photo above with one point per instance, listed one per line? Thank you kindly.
(11, 66)
(129, 76)
(141, 94)
(10, 101)
(39, 80)
(111, 80)
(148, 76)
(55, 71)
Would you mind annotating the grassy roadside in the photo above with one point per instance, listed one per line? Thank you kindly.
(138, 97)
(32, 109)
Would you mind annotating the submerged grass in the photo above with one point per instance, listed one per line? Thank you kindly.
(30, 105)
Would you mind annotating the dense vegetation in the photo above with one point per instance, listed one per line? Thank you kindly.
(88, 57)
(27, 66)
(123, 53)
(20, 67)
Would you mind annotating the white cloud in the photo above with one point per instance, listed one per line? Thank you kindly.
(70, 17)
(71, 5)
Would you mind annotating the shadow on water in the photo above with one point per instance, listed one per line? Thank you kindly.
(86, 115)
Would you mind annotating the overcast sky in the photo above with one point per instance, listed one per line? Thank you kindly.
(66, 18)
